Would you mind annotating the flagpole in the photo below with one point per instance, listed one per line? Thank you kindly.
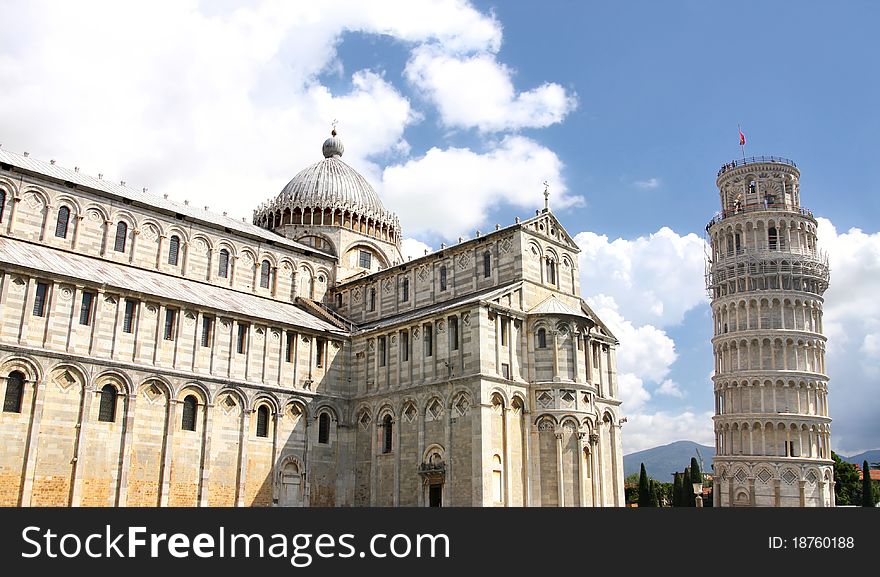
(742, 145)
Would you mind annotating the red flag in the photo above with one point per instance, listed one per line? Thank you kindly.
(742, 138)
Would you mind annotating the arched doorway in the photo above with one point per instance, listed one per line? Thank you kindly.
(291, 486)
(433, 473)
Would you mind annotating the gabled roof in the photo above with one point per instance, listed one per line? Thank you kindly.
(58, 173)
(56, 263)
(553, 223)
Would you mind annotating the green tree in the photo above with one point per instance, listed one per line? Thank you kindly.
(644, 488)
(846, 482)
(687, 491)
(867, 489)
(655, 493)
(676, 490)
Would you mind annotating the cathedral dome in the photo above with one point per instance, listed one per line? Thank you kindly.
(330, 193)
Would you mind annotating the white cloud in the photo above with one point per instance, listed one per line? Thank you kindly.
(670, 388)
(477, 91)
(654, 279)
(851, 320)
(216, 103)
(637, 287)
(651, 183)
(646, 430)
(411, 248)
(448, 179)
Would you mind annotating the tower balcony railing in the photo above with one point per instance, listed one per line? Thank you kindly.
(758, 207)
(771, 251)
(755, 160)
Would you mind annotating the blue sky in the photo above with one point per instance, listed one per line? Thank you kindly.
(627, 109)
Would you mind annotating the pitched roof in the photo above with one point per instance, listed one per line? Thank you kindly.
(553, 306)
(57, 263)
(56, 172)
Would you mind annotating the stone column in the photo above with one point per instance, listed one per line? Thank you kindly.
(554, 333)
(30, 455)
(560, 486)
(125, 449)
(12, 210)
(582, 475)
(243, 456)
(46, 210)
(105, 236)
(167, 449)
(205, 465)
(77, 223)
(88, 392)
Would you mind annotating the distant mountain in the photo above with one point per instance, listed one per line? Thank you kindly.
(662, 462)
(873, 456)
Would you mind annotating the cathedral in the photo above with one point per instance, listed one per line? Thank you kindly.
(153, 353)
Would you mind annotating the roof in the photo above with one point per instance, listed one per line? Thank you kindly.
(553, 306)
(331, 183)
(875, 474)
(56, 172)
(59, 263)
(484, 295)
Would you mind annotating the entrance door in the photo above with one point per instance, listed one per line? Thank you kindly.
(291, 483)
(435, 495)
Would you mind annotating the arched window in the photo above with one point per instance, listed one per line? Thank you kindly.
(265, 273)
(551, 271)
(443, 278)
(387, 434)
(542, 339)
(263, 421)
(405, 289)
(173, 249)
(121, 236)
(772, 238)
(107, 410)
(14, 392)
(324, 428)
(453, 333)
(2, 203)
(223, 269)
(61, 223)
(497, 484)
(190, 405)
(487, 264)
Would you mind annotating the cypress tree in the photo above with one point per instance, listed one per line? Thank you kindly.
(676, 490)
(644, 488)
(655, 493)
(867, 489)
(687, 490)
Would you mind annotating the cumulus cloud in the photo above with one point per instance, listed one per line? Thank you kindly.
(411, 248)
(648, 184)
(218, 103)
(448, 179)
(638, 287)
(477, 91)
(851, 320)
(655, 279)
(670, 388)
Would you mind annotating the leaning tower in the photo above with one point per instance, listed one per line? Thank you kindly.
(766, 278)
